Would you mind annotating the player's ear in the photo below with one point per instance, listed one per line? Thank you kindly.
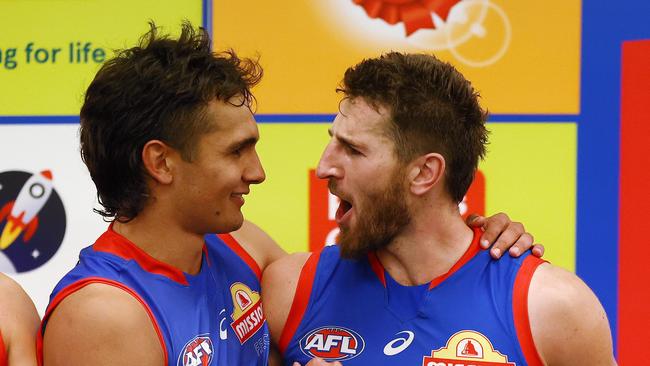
(157, 161)
(425, 172)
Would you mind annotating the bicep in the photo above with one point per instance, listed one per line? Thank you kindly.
(566, 316)
(101, 325)
(279, 283)
(259, 245)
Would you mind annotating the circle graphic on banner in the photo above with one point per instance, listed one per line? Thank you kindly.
(32, 220)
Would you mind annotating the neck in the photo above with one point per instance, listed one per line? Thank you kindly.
(428, 247)
(164, 239)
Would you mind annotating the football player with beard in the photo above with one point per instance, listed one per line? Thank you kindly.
(408, 283)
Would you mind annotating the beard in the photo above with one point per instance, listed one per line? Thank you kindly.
(380, 217)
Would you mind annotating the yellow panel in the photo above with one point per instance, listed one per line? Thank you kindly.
(524, 56)
(55, 85)
(530, 174)
(280, 205)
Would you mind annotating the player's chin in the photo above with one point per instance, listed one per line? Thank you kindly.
(230, 222)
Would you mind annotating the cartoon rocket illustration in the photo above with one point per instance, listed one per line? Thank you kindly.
(22, 214)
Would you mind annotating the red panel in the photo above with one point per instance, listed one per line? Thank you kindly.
(634, 271)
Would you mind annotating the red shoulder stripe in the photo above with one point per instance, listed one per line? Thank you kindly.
(116, 244)
(242, 253)
(520, 309)
(377, 268)
(76, 286)
(300, 301)
(3, 352)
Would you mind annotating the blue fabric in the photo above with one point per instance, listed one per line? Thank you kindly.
(348, 301)
(195, 319)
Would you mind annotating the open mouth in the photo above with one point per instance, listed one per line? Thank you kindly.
(343, 210)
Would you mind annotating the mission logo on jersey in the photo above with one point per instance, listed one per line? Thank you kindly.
(332, 343)
(197, 352)
(467, 348)
(247, 315)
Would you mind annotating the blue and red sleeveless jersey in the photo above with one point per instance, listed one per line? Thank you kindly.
(353, 311)
(211, 318)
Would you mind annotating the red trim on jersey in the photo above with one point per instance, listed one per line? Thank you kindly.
(4, 361)
(473, 249)
(376, 267)
(300, 300)
(114, 243)
(242, 253)
(76, 286)
(520, 309)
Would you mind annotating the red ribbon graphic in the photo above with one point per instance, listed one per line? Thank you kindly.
(416, 14)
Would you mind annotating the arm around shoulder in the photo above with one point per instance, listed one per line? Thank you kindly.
(258, 244)
(568, 323)
(101, 325)
(279, 283)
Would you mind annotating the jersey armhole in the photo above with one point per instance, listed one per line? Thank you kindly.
(520, 310)
(76, 286)
(4, 355)
(300, 301)
(234, 245)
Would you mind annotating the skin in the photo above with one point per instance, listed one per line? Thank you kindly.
(19, 323)
(190, 199)
(433, 241)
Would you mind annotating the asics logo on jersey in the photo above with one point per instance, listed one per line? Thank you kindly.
(332, 343)
(223, 332)
(398, 345)
(197, 352)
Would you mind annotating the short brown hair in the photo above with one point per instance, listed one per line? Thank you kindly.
(158, 89)
(433, 108)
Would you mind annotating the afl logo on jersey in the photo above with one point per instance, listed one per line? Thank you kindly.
(467, 348)
(197, 352)
(32, 220)
(332, 343)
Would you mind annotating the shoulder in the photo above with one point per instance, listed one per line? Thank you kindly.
(105, 319)
(19, 320)
(15, 304)
(279, 284)
(258, 244)
(565, 315)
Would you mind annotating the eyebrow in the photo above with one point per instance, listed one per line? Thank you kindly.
(251, 141)
(345, 140)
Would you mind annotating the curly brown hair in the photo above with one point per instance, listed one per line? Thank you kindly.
(433, 108)
(160, 90)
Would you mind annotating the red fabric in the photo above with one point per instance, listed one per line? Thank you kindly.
(300, 301)
(3, 352)
(78, 286)
(114, 243)
(520, 310)
(473, 249)
(242, 253)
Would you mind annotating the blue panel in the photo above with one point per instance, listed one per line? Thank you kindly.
(606, 24)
